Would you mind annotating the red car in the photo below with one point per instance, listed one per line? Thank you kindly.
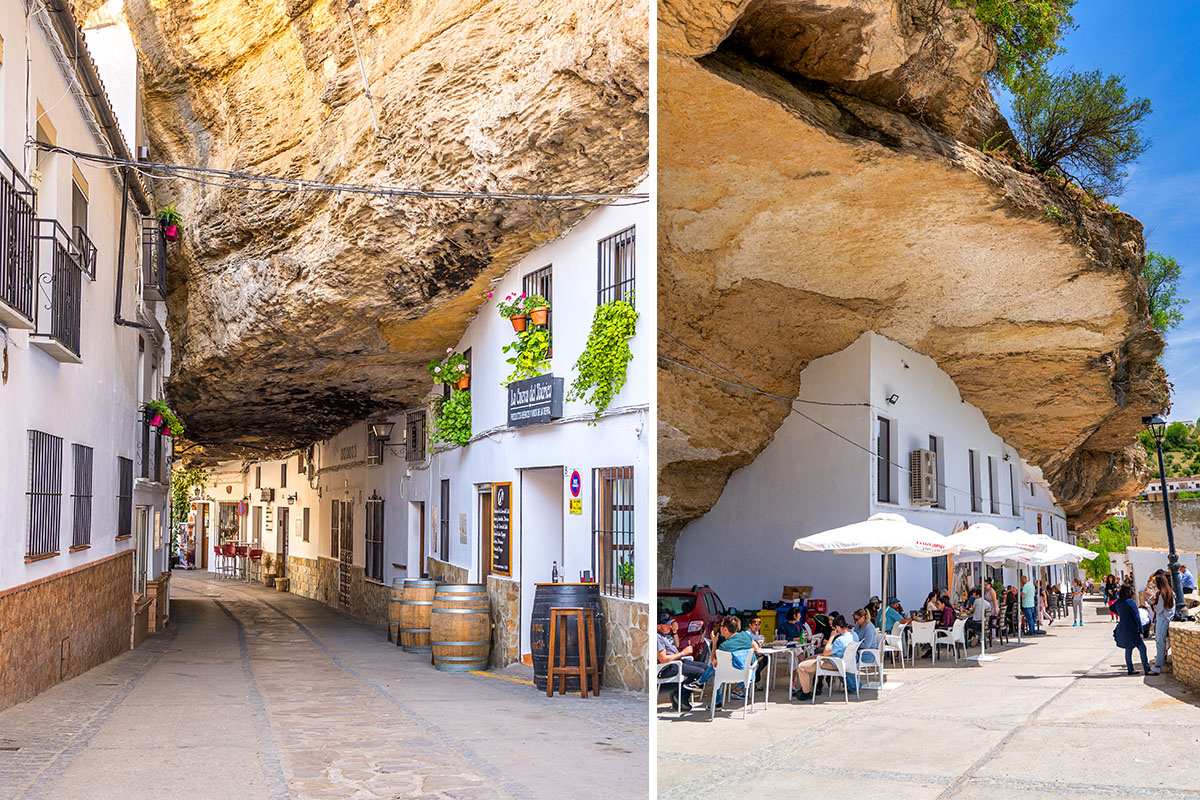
(698, 611)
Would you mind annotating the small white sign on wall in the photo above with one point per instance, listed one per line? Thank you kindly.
(462, 528)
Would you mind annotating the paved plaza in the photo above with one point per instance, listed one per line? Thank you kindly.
(1056, 718)
(252, 693)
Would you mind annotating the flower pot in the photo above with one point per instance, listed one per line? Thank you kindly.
(269, 580)
(538, 315)
(281, 584)
(518, 321)
(171, 232)
(464, 381)
(156, 421)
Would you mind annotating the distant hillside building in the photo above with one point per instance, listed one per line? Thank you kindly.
(1153, 490)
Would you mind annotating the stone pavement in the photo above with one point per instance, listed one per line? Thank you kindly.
(1055, 718)
(252, 693)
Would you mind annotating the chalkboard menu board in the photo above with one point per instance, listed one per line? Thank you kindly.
(501, 541)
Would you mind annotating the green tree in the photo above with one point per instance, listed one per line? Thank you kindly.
(1112, 536)
(1161, 275)
(1082, 124)
(1177, 435)
(1027, 32)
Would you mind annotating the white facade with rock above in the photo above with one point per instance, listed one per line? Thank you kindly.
(823, 470)
(579, 486)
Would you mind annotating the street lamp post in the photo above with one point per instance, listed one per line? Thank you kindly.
(1157, 427)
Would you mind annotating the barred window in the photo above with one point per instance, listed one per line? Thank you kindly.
(124, 497)
(258, 477)
(283, 475)
(542, 282)
(612, 529)
(81, 498)
(414, 436)
(306, 522)
(45, 494)
(374, 555)
(615, 267)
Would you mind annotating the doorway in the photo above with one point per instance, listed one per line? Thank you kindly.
(342, 531)
(416, 530)
(201, 538)
(485, 533)
(282, 541)
(540, 535)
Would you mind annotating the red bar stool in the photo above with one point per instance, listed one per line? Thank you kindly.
(256, 562)
(240, 553)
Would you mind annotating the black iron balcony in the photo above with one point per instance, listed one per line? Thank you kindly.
(154, 260)
(87, 251)
(18, 265)
(61, 275)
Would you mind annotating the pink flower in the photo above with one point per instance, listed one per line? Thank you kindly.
(449, 350)
(489, 294)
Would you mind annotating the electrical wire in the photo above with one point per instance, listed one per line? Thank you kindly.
(159, 170)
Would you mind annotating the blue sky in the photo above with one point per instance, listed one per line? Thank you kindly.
(1152, 45)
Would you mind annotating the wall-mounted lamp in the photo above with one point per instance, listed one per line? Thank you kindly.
(1007, 457)
(893, 399)
(382, 430)
(292, 498)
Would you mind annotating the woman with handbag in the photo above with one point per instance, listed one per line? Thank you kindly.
(1162, 603)
(1127, 633)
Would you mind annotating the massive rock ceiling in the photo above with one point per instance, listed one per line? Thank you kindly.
(817, 179)
(293, 314)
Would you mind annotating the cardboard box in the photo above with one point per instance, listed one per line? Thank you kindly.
(796, 592)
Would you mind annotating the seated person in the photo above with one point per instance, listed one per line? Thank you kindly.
(843, 636)
(891, 614)
(945, 612)
(868, 635)
(669, 653)
(791, 627)
(731, 639)
(873, 606)
(754, 629)
(980, 610)
(821, 625)
(930, 604)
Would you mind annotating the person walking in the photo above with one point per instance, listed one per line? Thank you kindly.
(1110, 594)
(1128, 631)
(1077, 603)
(1028, 605)
(1162, 603)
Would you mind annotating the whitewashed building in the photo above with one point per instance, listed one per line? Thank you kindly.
(81, 335)
(350, 514)
(884, 403)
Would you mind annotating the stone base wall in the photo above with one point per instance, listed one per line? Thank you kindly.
(317, 578)
(61, 626)
(140, 626)
(627, 623)
(505, 596)
(1185, 653)
(158, 592)
(446, 573)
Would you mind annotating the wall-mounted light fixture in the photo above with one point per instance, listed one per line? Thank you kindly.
(1007, 457)
(292, 498)
(893, 399)
(382, 430)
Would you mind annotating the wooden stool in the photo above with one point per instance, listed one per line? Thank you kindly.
(587, 668)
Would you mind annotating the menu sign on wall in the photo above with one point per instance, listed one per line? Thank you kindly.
(501, 540)
(534, 400)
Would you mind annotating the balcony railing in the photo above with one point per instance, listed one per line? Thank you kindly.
(18, 265)
(150, 453)
(61, 272)
(154, 260)
(87, 251)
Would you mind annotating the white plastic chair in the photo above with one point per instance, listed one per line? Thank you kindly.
(893, 643)
(838, 667)
(868, 670)
(677, 678)
(725, 674)
(952, 638)
(922, 634)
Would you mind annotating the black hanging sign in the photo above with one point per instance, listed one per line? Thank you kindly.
(534, 400)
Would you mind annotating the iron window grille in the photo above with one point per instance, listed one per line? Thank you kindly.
(283, 475)
(335, 530)
(374, 554)
(613, 529)
(305, 516)
(542, 282)
(258, 477)
(64, 277)
(883, 459)
(150, 453)
(81, 499)
(374, 449)
(45, 494)
(615, 267)
(18, 263)
(444, 523)
(124, 497)
(414, 436)
(976, 492)
(87, 251)
(154, 259)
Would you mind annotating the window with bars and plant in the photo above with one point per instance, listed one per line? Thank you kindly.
(374, 550)
(613, 529)
(540, 283)
(44, 495)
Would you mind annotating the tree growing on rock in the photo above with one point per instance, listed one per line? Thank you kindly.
(1161, 275)
(1027, 32)
(1082, 124)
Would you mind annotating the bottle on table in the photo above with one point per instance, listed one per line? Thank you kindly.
(554, 573)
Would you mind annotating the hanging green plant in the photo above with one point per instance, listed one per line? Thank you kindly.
(452, 418)
(451, 370)
(182, 483)
(530, 352)
(601, 366)
(174, 423)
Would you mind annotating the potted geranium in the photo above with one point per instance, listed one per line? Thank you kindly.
(453, 370)
(162, 417)
(512, 308)
(537, 308)
(171, 222)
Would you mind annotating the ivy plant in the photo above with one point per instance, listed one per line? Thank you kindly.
(452, 418)
(601, 367)
(182, 483)
(173, 422)
(530, 352)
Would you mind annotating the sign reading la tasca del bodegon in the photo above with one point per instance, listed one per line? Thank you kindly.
(534, 400)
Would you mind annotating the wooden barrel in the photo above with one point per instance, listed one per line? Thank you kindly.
(394, 610)
(461, 627)
(563, 595)
(416, 601)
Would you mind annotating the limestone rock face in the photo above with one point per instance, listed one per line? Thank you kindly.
(292, 314)
(798, 210)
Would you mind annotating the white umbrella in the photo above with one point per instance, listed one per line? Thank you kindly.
(888, 534)
(985, 542)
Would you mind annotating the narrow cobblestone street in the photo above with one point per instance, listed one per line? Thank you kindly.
(1058, 718)
(252, 693)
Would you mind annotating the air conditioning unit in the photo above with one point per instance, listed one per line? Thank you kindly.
(268, 495)
(924, 478)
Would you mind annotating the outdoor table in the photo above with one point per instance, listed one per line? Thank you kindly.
(793, 653)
